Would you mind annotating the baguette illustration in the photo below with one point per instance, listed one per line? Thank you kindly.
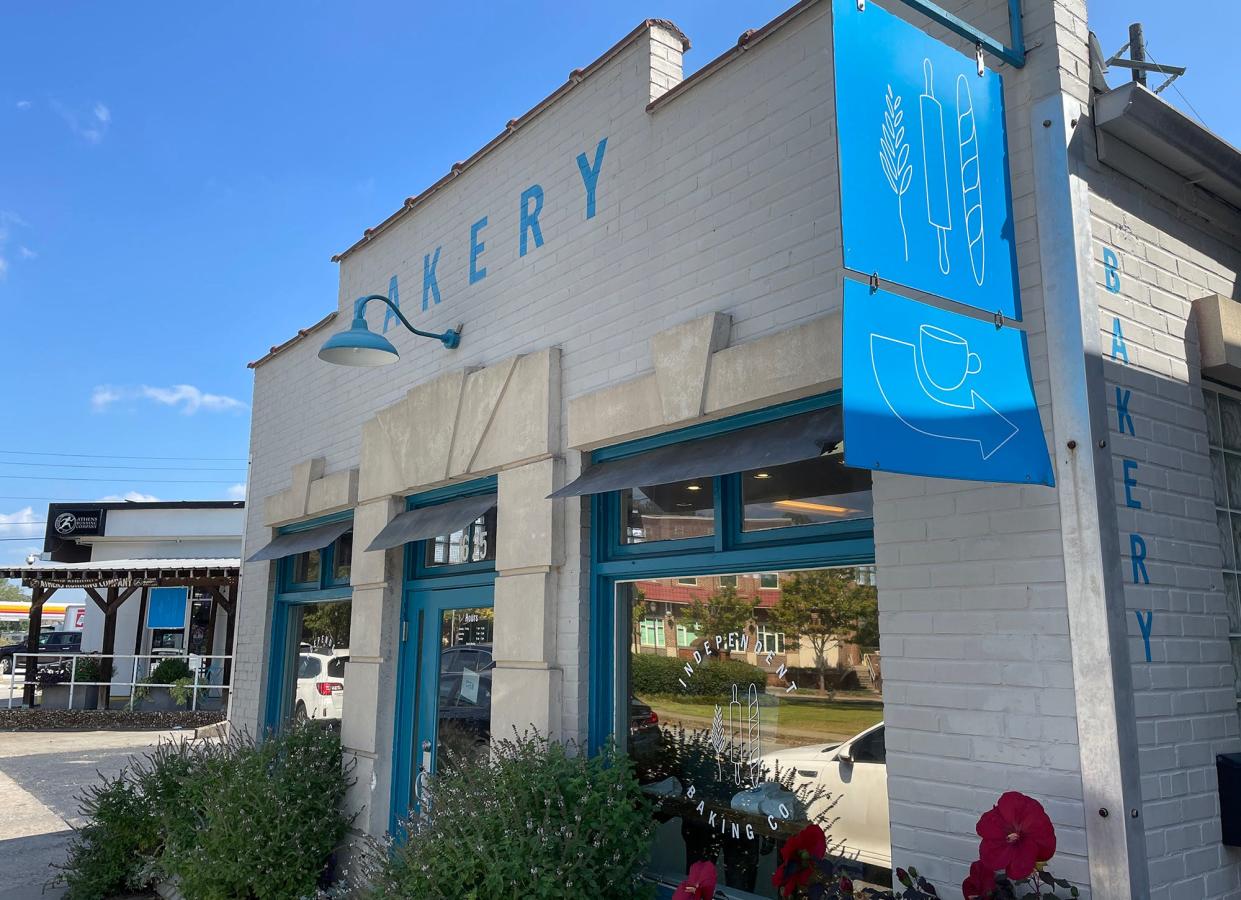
(971, 179)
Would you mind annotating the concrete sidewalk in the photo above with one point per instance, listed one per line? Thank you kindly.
(41, 774)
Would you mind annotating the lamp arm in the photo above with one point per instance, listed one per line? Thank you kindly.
(450, 338)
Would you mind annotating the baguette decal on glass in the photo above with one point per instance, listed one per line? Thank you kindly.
(894, 157)
(971, 180)
(935, 165)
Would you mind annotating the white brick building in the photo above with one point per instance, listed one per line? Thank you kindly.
(641, 254)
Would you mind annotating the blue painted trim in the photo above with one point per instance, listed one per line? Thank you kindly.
(419, 579)
(728, 551)
(289, 595)
(1015, 55)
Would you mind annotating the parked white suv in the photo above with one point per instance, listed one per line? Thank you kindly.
(320, 683)
(855, 774)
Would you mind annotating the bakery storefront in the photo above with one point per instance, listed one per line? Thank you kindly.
(617, 481)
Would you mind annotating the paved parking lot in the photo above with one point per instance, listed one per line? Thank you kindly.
(41, 774)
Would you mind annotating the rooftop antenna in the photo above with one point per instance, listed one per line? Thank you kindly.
(1137, 62)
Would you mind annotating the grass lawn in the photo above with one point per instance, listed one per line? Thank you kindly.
(806, 715)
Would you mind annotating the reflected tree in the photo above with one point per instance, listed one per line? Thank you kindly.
(826, 608)
(723, 613)
(327, 624)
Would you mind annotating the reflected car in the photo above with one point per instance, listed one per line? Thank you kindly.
(855, 774)
(644, 735)
(465, 691)
(320, 684)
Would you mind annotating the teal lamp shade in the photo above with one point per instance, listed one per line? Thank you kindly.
(359, 346)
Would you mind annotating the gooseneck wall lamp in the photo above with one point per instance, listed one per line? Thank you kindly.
(359, 346)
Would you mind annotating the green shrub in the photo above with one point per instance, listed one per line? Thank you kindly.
(170, 670)
(224, 820)
(533, 819)
(114, 852)
(714, 678)
(91, 667)
(258, 820)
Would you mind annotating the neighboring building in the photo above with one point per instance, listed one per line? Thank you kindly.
(168, 569)
(645, 261)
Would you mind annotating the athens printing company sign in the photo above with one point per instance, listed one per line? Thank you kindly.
(939, 385)
(530, 235)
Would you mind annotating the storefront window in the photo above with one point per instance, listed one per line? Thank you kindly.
(463, 713)
(474, 543)
(1224, 438)
(812, 492)
(318, 652)
(758, 724)
(306, 567)
(342, 558)
(668, 512)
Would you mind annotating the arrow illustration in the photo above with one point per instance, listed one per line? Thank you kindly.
(971, 418)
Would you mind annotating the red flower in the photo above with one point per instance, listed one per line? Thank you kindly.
(699, 884)
(797, 859)
(980, 883)
(1016, 835)
(846, 886)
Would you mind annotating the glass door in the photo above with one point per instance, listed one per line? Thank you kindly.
(450, 683)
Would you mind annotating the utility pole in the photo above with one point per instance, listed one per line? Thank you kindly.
(1137, 52)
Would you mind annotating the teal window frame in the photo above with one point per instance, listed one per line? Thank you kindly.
(730, 551)
(289, 595)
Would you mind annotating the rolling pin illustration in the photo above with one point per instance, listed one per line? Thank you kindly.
(935, 165)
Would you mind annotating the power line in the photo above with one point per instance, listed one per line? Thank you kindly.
(1178, 90)
(122, 478)
(115, 456)
(14, 462)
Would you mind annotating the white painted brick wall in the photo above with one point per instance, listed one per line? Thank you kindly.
(1185, 696)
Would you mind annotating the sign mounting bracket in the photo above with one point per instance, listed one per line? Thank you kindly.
(1015, 55)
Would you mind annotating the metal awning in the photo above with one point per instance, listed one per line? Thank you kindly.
(759, 446)
(295, 542)
(431, 521)
(126, 573)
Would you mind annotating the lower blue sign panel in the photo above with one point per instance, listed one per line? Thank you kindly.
(930, 392)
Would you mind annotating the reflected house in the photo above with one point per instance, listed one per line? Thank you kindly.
(666, 625)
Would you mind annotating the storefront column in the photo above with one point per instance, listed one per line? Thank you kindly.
(527, 684)
(370, 674)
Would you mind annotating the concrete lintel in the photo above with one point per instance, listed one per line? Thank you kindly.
(1219, 335)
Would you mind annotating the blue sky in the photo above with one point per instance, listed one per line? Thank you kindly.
(174, 180)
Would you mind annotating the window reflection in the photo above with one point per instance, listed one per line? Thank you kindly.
(748, 718)
(668, 512)
(810, 492)
(319, 653)
(474, 543)
(342, 558)
(306, 567)
(466, 664)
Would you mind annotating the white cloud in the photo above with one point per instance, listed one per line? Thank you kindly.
(8, 221)
(26, 253)
(24, 104)
(4, 267)
(185, 397)
(237, 492)
(90, 126)
(20, 524)
(129, 497)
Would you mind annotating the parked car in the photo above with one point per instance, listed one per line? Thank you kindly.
(855, 774)
(320, 683)
(67, 642)
(465, 689)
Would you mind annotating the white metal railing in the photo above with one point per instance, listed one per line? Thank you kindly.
(208, 673)
(875, 668)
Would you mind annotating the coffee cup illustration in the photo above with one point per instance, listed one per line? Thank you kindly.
(945, 358)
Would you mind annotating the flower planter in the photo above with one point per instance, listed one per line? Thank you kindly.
(158, 699)
(56, 696)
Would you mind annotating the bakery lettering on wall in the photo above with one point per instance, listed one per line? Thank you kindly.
(530, 236)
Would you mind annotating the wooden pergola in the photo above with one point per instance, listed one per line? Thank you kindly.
(119, 580)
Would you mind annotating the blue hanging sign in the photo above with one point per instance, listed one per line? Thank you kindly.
(923, 154)
(166, 607)
(932, 392)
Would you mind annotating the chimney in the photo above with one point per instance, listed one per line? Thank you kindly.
(668, 46)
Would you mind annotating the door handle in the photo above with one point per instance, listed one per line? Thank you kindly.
(808, 773)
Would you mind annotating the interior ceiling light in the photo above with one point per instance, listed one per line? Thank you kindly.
(762, 474)
(815, 507)
(693, 487)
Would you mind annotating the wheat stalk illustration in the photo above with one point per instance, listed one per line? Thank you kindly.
(894, 155)
(718, 741)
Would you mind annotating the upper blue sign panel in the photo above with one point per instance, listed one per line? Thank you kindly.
(924, 192)
(931, 392)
